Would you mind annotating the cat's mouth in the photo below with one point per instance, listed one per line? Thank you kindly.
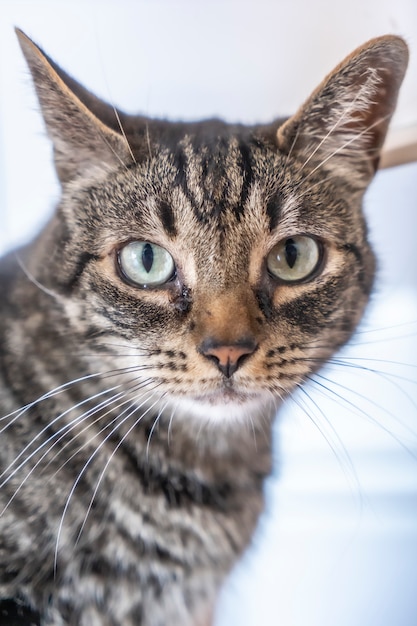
(227, 392)
(227, 395)
(226, 404)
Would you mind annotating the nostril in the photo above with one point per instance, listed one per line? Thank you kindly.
(229, 367)
(228, 357)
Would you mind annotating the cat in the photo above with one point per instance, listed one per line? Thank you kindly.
(192, 277)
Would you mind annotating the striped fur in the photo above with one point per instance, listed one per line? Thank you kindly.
(132, 466)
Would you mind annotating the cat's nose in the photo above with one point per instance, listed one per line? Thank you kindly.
(228, 358)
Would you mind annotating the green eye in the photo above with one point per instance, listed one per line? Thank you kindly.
(294, 259)
(146, 264)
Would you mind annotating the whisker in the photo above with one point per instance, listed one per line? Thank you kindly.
(83, 417)
(359, 364)
(347, 464)
(58, 436)
(43, 431)
(390, 377)
(377, 341)
(33, 280)
(103, 429)
(120, 443)
(122, 130)
(357, 410)
(310, 188)
(46, 396)
(290, 151)
(148, 140)
(82, 472)
(362, 330)
(338, 122)
(61, 388)
(355, 363)
(62, 432)
(161, 410)
(171, 419)
(346, 144)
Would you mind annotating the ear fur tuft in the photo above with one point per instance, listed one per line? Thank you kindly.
(342, 126)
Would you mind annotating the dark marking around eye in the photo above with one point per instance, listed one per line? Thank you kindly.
(273, 210)
(167, 218)
(311, 312)
(84, 259)
(183, 301)
(351, 247)
(265, 303)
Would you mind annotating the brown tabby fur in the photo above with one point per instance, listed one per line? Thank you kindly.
(132, 467)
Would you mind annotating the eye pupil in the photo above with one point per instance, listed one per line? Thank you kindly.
(294, 259)
(147, 257)
(145, 264)
(291, 252)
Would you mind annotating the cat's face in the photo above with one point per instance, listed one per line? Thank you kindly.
(179, 270)
(218, 265)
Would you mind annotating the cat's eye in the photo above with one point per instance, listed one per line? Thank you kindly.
(294, 259)
(146, 264)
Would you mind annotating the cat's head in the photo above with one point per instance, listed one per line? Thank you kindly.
(220, 264)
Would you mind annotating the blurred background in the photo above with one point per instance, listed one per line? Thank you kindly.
(338, 541)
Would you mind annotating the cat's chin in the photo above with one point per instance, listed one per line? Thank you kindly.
(227, 406)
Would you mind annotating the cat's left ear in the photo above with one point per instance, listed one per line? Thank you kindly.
(342, 126)
(84, 130)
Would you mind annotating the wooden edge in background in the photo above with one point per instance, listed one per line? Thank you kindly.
(400, 147)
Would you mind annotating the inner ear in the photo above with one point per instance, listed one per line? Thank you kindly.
(344, 122)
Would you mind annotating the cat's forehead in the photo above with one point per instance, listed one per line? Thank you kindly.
(216, 175)
(229, 181)
(219, 187)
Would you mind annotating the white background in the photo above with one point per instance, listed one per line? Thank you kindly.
(338, 542)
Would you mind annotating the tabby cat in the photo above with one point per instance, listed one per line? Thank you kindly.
(191, 278)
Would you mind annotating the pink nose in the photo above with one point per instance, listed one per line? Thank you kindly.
(228, 357)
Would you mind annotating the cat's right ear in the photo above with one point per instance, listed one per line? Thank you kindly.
(76, 121)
